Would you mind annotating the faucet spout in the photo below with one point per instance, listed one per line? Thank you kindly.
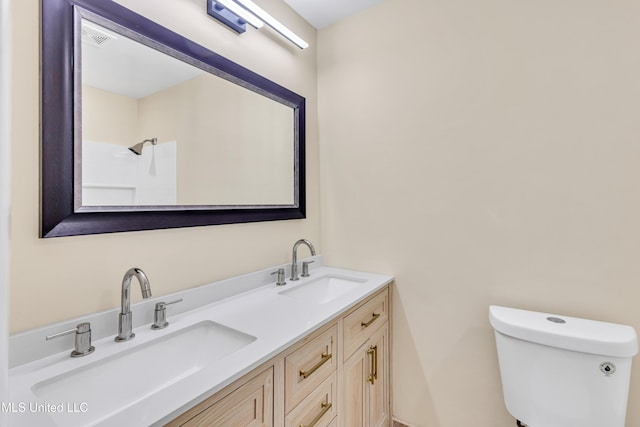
(125, 318)
(294, 257)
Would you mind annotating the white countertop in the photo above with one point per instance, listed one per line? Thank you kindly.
(276, 321)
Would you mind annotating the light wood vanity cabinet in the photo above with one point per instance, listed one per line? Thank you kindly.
(336, 376)
(248, 405)
(365, 373)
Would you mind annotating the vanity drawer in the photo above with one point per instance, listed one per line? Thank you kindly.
(250, 405)
(308, 366)
(359, 325)
(318, 409)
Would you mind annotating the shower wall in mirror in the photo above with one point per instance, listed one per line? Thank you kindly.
(113, 176)
(224, 144)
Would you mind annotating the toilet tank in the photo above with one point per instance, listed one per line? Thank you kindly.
(560, 371)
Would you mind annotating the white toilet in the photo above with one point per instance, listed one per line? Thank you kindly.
(560, 371)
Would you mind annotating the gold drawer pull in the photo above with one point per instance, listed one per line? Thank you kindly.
(373, 352)
(324, 358)
(373, 366)
(325, 408)
(373, 319)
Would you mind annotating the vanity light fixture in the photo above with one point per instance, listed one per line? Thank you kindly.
(224, 15)
(234, 14)
(239, 11)
(273, 23)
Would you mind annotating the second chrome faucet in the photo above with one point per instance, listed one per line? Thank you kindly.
(124, 319)
(294, 257)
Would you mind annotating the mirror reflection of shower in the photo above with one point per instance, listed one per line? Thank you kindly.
(137, 149)
(113, 175)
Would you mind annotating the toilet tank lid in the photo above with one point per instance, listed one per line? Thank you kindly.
(570, 333)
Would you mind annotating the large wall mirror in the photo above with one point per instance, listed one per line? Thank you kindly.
(143, 129)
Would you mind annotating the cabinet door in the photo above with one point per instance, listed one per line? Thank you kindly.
(378, 386)
(366, 384)
(355, 372)
(251, 405)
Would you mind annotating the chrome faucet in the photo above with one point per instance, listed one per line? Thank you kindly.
(124, 320)
(294, 260)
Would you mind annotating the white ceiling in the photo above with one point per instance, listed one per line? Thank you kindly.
(121, 65)
(322, 13)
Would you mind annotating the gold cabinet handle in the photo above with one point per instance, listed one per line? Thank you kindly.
(324, 357)
(373, 319)
(373, 352)
(375, 362)
(325, 408)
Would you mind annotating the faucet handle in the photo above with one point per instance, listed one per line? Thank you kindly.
(160, 314)
(161, 305)
(280, 274)
(83, 339)
(305, 268)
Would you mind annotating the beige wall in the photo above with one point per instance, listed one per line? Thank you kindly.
(242, 145)
(109, 117)
(483, 152)
(61, 278)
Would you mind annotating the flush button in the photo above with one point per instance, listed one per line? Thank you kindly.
(556, 320)
(607, 368)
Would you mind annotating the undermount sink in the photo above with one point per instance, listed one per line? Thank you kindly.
(106, 386)
(323, 289)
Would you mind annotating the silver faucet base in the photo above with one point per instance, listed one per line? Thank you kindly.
(75, 353)
(120, 339)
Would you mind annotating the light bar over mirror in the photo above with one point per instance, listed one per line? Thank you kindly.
(235, 13)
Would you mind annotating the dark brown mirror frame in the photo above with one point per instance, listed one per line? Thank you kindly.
(59, 216)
